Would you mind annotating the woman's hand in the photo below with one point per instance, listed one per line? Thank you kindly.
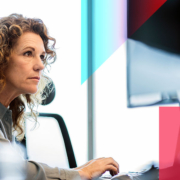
(97, 167)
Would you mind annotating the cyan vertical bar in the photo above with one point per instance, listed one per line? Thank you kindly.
(84, 41)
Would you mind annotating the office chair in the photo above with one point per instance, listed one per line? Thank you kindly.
(65, 136)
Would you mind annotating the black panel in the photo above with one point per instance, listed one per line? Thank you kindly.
(162, 29)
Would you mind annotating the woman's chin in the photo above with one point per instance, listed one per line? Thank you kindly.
(32, 91)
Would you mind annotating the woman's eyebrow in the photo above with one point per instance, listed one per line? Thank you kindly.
(33, 49)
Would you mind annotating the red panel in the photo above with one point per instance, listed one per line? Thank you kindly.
(169, 143)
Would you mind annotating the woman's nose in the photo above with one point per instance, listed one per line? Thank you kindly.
(38, 66)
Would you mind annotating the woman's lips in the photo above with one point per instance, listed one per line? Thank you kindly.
(35, 78)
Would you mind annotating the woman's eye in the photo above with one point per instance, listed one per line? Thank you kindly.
(28, 53)
(42, 57)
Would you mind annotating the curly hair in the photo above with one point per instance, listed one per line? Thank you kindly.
(11, 28)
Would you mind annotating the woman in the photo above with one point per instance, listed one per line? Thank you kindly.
(24, 53)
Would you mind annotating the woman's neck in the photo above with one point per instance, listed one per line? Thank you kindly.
(6, 97)
(5, 102)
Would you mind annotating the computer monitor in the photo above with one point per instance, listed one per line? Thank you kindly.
(153, 52)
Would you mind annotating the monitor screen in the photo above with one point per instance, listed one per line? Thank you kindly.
(153, 52)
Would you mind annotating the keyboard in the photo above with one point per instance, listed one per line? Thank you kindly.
(150, 174)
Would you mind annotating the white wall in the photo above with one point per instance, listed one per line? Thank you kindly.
(130, 136)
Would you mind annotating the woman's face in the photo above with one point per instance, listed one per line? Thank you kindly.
(25, 64)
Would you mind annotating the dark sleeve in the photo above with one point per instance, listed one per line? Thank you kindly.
(13, 165)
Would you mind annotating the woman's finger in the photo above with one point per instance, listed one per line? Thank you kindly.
(111, 161)
(97, 167)
(112, 169)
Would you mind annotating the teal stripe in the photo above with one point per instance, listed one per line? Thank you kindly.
(84, 41)
(103, 31)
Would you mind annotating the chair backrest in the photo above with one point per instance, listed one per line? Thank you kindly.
(49, 142)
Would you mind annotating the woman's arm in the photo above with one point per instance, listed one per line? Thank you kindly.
(13, 165)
